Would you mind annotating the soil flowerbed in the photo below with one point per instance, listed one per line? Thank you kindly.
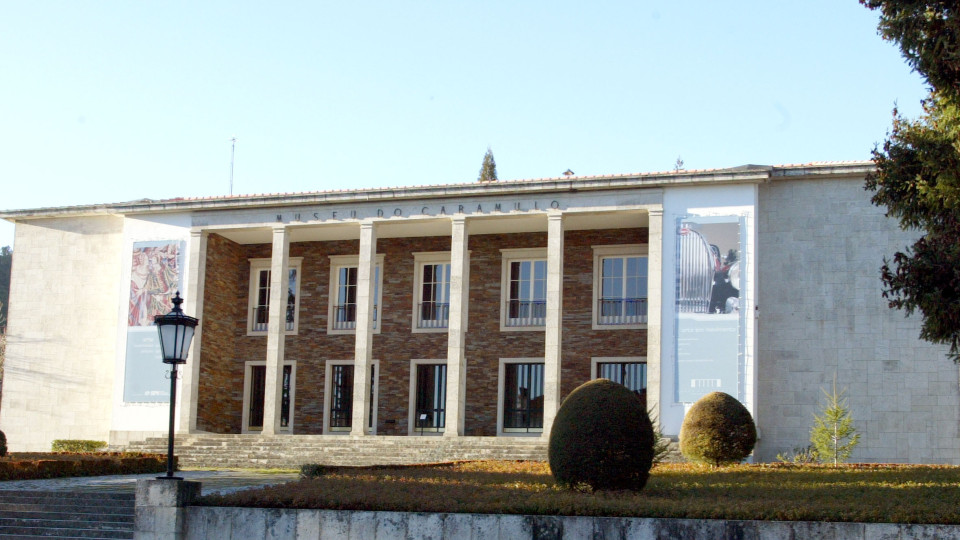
(863, 493)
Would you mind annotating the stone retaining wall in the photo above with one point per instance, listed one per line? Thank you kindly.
(245, 523)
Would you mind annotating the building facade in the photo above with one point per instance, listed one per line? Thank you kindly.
(473, 309)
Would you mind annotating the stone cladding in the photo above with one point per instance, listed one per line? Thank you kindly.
(222, 366)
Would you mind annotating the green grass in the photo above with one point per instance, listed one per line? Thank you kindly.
(867, 493)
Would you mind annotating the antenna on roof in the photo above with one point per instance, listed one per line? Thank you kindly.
(233, 147)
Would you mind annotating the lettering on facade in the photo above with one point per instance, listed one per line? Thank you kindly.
(324, 215)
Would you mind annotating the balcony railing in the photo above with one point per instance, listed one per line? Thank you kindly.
(617, 311)
(433, 315)
(345, 317)
(260, 316)
(527, 313)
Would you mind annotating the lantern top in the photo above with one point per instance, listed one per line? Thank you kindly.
(176, 332)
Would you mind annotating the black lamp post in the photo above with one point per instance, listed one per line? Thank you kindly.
(176, 333)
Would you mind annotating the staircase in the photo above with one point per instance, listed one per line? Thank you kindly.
(291, 451)
(49, 514)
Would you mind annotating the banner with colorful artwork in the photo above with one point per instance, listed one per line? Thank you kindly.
(710, 325)
(155, 277)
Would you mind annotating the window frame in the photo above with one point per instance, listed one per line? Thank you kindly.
(412, 401)
(258, 265)
(327, 396)
(352, 261)
(501, 390)
(509, 256)
(248, 380)
(616, 251)
(421, 259)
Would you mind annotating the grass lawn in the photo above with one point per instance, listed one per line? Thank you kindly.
(869, 493)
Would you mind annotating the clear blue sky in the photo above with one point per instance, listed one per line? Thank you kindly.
(109, 101)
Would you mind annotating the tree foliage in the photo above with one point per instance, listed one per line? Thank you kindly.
(917, 174)
(928, 33)
(833, 435)
(488, 170)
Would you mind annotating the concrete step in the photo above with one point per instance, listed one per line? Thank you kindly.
(38, 514)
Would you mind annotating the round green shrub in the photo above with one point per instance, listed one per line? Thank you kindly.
(718, 430)
(3, 444)
(601, 439)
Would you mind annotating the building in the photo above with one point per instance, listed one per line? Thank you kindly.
(473, 309)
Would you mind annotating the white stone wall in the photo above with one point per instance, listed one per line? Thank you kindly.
(58, 377)
(821, 312)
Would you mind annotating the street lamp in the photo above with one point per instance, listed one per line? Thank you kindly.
(176, 333)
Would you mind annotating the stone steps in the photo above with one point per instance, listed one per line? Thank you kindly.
(39, 514)
(291, 451)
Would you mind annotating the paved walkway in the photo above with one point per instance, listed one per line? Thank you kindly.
(225, 481)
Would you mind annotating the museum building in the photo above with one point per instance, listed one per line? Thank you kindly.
(471, 310)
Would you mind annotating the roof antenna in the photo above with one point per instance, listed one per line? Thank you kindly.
(233, 147)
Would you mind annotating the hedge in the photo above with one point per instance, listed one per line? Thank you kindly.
(56, 465)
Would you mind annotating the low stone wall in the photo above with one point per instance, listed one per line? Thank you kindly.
(268, 523)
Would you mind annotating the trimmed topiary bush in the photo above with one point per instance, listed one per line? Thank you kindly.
(601, 439)
(3, 444)
(718, 430)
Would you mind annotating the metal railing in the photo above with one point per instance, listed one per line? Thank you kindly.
(616, 311)
(345, 317)
(260, 316)
(526, 313)
(433, 315)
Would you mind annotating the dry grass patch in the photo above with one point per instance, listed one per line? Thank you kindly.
(887, 493)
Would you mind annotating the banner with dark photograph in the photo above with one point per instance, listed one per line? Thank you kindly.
(709, 320)
(154, 279)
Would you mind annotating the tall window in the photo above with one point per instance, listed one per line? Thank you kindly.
(431, 294)
(525, 288)
(259, 296)
(620, 286)
(339, 396)
(430, 394)
(633, 375)
(522, 406)
(255, 395)
(344, 280)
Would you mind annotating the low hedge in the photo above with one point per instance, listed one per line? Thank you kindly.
(77, 445)
(61, 465)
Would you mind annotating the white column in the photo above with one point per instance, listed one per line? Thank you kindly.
(457, 329)
(654, 306)
(554, 322)
(363, 353)
(193, 306)
(276, 329)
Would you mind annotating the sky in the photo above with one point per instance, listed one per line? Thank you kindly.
(110, 101)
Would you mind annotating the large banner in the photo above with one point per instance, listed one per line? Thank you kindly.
(710, 324)
(154, 279)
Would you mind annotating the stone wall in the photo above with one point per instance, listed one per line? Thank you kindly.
(821, 312)
(222, 371)
(62, 337)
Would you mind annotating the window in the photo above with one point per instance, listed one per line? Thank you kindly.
(620, 286)
(254, 394)
(524, 289)
(344, 280)
(521, 395)
(630, 372)
(338, 392)
(431, 293)
(259, 296)
(428, 397)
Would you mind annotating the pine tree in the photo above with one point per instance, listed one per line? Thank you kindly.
(488, 171)
(833, 435)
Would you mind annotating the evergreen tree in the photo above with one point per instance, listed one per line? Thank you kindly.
(833, 435)
(488, 170)
(918, 169)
